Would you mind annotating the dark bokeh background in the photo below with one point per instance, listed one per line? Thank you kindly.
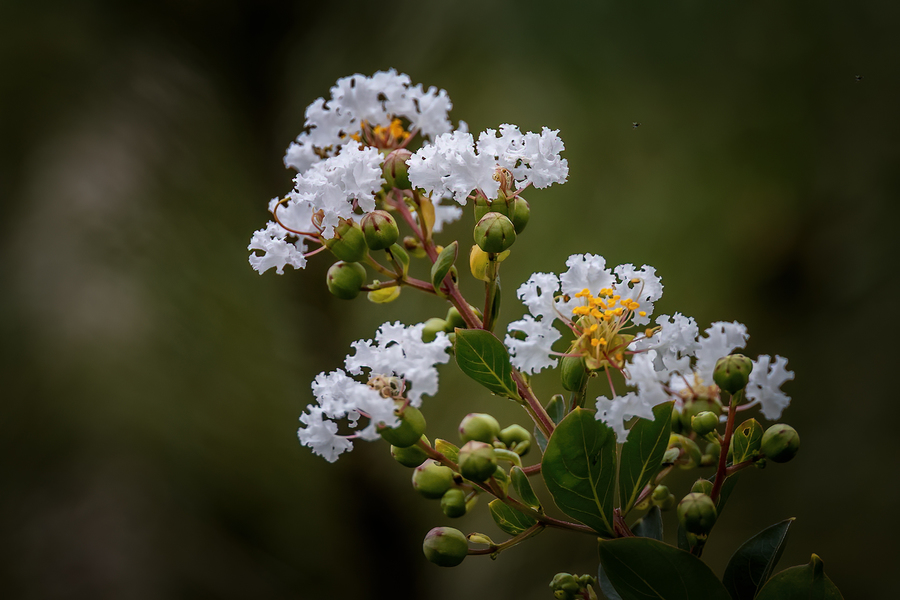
(152, 381)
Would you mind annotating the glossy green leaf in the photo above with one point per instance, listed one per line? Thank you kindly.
(751, 566)
(523, 488)
(556, 408)
(606, 585)
(650, 525)
(579, 468)
(642, 454)
(447, 449)
(803, 582)
(442, 265)
(746, 441)
(642, 568)
(484, 358)
(509, 519)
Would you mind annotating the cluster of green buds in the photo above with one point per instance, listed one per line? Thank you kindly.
(566, 586)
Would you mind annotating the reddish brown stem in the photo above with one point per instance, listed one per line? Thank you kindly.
(723, 452)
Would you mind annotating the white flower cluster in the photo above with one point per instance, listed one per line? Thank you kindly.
(375, 100)
(673, 358)
(397, 351)
(454, 165)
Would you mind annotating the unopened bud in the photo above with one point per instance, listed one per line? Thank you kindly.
(516, 438)
(453, 503)
(660, 493)
(395, 170)
(445, 546)
(477, 461)
(344, 279)
(702, 486)
(432, 479)
(705, 422)
(696, 406)
(408, 432)
(697, 513)
(480, 427)
(433, 326)
(521, 213)
(780, 443)
(380, 230)
(565, 583)
(732, 372)
(494, 233)
(572, 372)
(411, 456)
(348, 243)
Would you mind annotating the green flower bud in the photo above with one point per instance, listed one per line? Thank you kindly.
(411, 456)
(454, 319)
(480, 427)
(384, 295)
(432, 479)
(445, 546)
(572, 372)
(780, 443)
(702, 486)
(732, 372)
(348, 243)
(516, 438)
(432, 327)
(344, 279)
(477, 461)
(495, 233)
(453, 503)
(408, 432)
(380, 230)
(695, 407)
(521, 213)
(566, 583)
(395, 170)
(660, 493)
(697, 513)
(482, 207)
(704, 422)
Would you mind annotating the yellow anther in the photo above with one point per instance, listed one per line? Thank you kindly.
(583, 293)
(618, 312)
(619, 356)
(593, 328)
(643, 313)
(636, 280)
(602, 341)
(596, 314)
(648, 332)
(595, 342)
(606, 291)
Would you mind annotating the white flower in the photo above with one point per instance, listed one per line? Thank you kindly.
(617, 411)
(675, 341)
(531, 157)
(644, 287)
(765, 383)
(445, 214)
(534, 352)
(320, 435)
(721, 340)
(276, 251)
(538, 294)
(586, 272)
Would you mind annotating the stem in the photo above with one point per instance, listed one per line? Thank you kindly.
(379, 267)
(490, 291)
(532, 470)
(741, 466)
(533, 405)
(494, 548)
(726, 442)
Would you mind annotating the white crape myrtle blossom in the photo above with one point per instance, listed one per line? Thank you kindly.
(376, 100)
(397, 351)
(454, 165)
(276, 250)
(764, 386)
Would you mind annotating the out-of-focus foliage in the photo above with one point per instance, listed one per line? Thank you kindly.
(152, 380)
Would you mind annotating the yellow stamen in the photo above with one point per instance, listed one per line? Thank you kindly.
(643, 313)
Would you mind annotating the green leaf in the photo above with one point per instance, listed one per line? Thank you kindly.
(642, 454)
(447, 449)
(806, 581)
(650, 525)
(523, 488)
(579, 468)
(484, 358)
(746, 441)
(642, 568)
(606, 585)
(442, 265)
(751, 566)
(509, 519)
(556, 408)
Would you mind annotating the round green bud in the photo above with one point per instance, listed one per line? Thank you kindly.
(566, 583)
(344, 279)
(516, 438)
(477, 461)
(495, 233)
(521, 213)
(480, 427)
(660, 493)
(453, 503)
(780, 443)
(702, 486)
(380, 230)
(572, 372)
(433, 326)
(695, 407)
(432, 479)
(411, 456)
(732, 372)
(348, 243)
(408, 432)
(454, 319)
(445, 546)
(697, 513)
(395, 170)
(704, 422)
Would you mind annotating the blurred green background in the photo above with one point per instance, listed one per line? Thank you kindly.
(152, 380)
